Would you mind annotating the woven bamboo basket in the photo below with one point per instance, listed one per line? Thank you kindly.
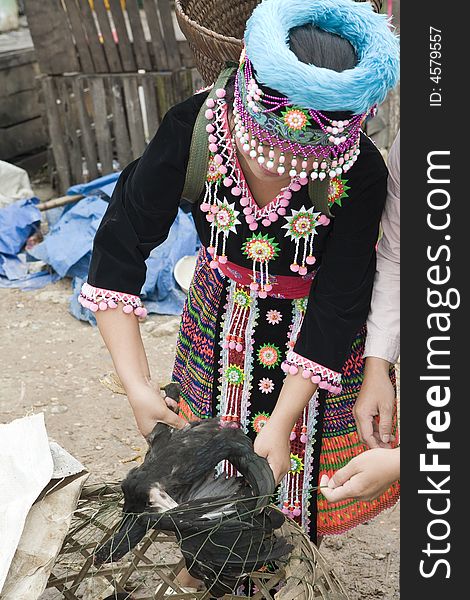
(304, 575)
(215, 28)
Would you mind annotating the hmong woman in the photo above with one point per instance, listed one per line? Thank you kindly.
(272, 333)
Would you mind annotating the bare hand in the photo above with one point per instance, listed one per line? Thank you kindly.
(150, 408)
(274, 445)
(376, 398)
(365, 477)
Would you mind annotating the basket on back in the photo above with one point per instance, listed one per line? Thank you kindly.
(214, 30)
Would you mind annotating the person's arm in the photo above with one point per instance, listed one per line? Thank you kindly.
(366, 477)
(377, 395)
(337, 308)
(142, 209)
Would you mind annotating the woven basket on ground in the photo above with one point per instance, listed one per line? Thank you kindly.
(157, 558)
(214, 30)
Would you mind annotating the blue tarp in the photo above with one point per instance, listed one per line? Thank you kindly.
(67, 249)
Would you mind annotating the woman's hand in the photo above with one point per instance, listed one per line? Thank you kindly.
(376, 398)
(150, 408)
(273, 444)
(365, 477)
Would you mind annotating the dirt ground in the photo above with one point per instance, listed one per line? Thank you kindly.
(52, 363)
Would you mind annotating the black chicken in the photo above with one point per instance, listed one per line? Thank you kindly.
(224, 525)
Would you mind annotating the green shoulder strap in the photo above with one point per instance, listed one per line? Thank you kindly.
(318, 193)
(196, 172)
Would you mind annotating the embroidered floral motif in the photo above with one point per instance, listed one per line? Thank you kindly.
(269, 356)
(296, 464)
(296, 119)
(301, 224)
(242, 298)
(273, 317)
(213, 171)
(337, 191)
(226, 217)
(261, 248)
(266, 385)
(234, 375)
(259, 421)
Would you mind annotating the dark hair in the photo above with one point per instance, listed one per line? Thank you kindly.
(317, 47)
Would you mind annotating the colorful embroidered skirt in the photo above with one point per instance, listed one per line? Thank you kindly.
(228, 361)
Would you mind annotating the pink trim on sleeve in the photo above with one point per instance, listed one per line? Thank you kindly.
(95, 299)
(324, 377)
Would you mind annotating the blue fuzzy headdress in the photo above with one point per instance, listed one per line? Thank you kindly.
(309, 86)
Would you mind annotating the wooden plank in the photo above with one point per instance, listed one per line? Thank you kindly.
(51, 36)
(102, 132)
(88, 138)
(81, 42)
(96, 48)
(171, 45)
(121, 134)
(22, 138)
(124, 44)
(19, 107)
(138, 37)
(17, 58)
(34, 162)
(69, 126)
(164, 92)
(55, 133)
(110, 48)
(134, 116)
(151, 104)
(161, 59)
(18, 79)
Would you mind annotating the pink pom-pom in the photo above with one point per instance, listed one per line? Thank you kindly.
(281, 211)
(112, 304)
(306, 374)
(210, 217)
(285, 510)
(316, 379)
(210, 103)
(214, 264)
(209, 114)
(250, 219)
(205, 207)
(295, 187)
(303, 271)
(93, 306)
(236, 191)
(212, 139)
(254, 286)
(139, 311)
(248, 210)
(284, 203)
(210, 128)
(268, 287)
(273, 217)
(285, 367)
(220, 93)
(310, 260)
(262, 295)
(225, 345)
(266, 222)
(232, 345)
(103, 306)
(326, 221)
(127, 309)
(239, 348)
(292, 436)
(218, 159)
(213, 147)
(253, 226)
(244, 201)
(215, 209)
(303, 438)
(324, 385)
(211, 250)
(222, 260)
(287, 196)
(294, 268)
(228, 182)
(222, 169)
(293, 370)
(303, 181)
